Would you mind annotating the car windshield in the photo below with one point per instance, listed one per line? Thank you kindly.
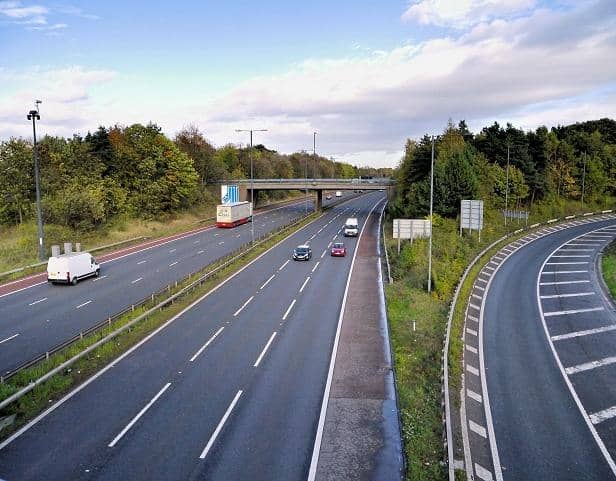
(338, 245)
(301, 250)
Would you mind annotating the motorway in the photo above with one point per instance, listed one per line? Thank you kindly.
(35, 319)
(229, 389)
(549, 359)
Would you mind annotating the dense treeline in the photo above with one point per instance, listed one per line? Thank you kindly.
(137, 171)
(569, 163)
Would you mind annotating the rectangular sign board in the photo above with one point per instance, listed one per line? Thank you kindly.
(471, 214)
(411, 228)
(229, 194)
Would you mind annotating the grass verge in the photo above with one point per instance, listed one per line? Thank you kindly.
(44, 395)
(608, 267)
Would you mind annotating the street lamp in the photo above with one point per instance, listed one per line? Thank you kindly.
(252, 190)
(314, 152)
(34, 116)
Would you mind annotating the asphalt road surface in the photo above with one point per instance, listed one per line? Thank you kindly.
(35, 319)
(230, 389)
(550, 347)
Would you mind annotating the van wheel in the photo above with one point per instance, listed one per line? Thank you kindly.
(97, 273)
(74, 281)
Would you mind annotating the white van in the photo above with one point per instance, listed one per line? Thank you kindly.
(338, 193)
(70, 268)
(351, 227)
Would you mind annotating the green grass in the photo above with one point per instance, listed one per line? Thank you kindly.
(608, 267)
(45, 394)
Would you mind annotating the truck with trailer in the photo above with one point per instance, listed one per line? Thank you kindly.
(233, 214)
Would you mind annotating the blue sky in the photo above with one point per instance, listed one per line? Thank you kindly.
(364, 74)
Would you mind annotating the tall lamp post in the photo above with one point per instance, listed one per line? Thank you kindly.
(252, 190)
(34, 116)
(431, 223)
(314, 152)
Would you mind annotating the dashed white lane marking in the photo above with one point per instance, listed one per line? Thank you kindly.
(565, 272)
(329, 245)
(173, 263)
(478, 429)
(471, 349)
(9, 338)
(141, 262)
(84, 304)
(575, 250)
(221, 243)
(473, 395)
(587, 366)
(604, 415)
(200, 252)
(572, 311)
(315, 266)
(283, 265)
(209, 444)
(99, 278)
(304, 284)
(284, 318)
(197, 241)
(324, 252)
(137, 280)
(243, 306)
(575, 294)
(36, 302)
(483, 473)
(335, 235)
(472, 332)
(558, 283)
(472, 369)
(239, 235)
(588, 332)
(136, 418)
(571, 255)
(216, 235)
(209, 341)
(256, 364)
(172, 251)
(585, 244)
(267, 281)
(565, 263)
(312, 237)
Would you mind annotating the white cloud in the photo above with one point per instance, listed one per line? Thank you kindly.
(20, 14)
(463, 13)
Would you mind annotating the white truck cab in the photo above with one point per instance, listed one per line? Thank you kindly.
(351, 227)
(69, 268)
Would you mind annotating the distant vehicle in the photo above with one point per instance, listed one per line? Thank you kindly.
(338, 249)
(351, 227)
(338, 193)
(233, 214)
(70, 268)
(302, 253)
(328, 197)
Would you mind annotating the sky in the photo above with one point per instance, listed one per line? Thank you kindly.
(364, 74)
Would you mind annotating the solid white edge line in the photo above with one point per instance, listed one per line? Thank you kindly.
(209, 341)
(136, 418)
(319, 435)
(304, 284)
(209, 444)
(267, 282)
(9, 338)
(572, 391)
(72, 393)
(256, 364)
(284, 318)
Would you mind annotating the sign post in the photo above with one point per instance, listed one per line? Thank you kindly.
(471, 216)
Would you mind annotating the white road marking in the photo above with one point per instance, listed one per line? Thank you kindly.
(471, 348)
(587, 366)
(571, 255)
(284, 318)
(197, 241)
(473, 395)
(575, 250)
(564, 263)
(283, 265)
(172, 251)
(200, 252)
(572, 311)
(221, 243)
(99, 278)
(137, 280)
(575, 294)
(202, 348)
(304, 284)
(588, 332)
(472, 318)
(9, 338)
(173, 263)
(482, 280)
(335, 235)
(267, 281)
(479, 288)
(84, 304)
(36, 302)
(557, 283)
(472, 370)
(476, 296)
(472, 332)
(136, 418)
(315, 266)
(244, 305)
(220, 425)
(216, 235)
(604, 415)
(483, 473)
(324, 252)
(329, 245)
(478, 429)
(474, 306)
(584, 244)
(312, 237)
(256, 364)
(141, 262)
(488, 268)
(565, 272)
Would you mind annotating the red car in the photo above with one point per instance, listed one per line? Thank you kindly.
(338, 250)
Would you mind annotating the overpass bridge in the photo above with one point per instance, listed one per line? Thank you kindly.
(313, 185)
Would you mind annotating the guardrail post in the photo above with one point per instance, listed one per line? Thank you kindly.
(46, 355)
(81, 335)
(132, 307)
(109, 321)
(152, 297)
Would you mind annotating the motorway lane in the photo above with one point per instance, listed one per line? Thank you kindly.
(171, 435)
(38, 318)
(539, 430)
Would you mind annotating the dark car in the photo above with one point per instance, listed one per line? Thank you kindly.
(338, 249)
(328, 197)
(302, 253)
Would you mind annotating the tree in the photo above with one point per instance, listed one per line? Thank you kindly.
(16, 180)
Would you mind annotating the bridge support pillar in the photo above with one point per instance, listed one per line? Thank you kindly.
(319, 202)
